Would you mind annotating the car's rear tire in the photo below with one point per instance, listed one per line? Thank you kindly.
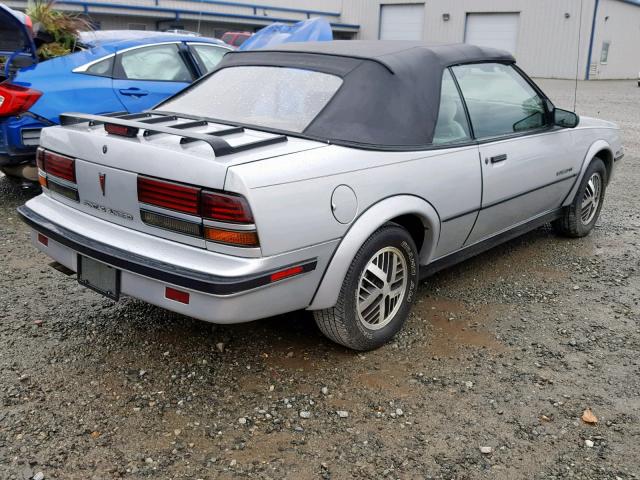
(377, 292)
(579, 218)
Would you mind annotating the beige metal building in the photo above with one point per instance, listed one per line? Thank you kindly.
(590, 39)
(550, 38)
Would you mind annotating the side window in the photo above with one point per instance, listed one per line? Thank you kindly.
(207, 56)
(102, 68)
(452, 121)
(157, 62)
(500, 101)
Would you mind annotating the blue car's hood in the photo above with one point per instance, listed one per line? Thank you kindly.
(16, 41)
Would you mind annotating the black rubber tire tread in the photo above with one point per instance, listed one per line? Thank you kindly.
(340, 323)
(570, 224)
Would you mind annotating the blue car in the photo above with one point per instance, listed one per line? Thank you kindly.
(113, 71)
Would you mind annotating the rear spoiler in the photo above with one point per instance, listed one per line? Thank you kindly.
(147, 122)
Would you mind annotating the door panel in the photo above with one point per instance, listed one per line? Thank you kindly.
(138, 95)
(535, 176)
(503, 216)
(145, 76)
(527, 165)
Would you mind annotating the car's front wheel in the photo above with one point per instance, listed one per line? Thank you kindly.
(377, 292)
(579, 218)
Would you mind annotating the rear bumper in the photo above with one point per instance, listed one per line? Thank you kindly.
(19, 138)
(223, 290)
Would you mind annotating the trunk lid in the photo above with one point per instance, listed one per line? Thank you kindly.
(16, 40)
(107, 166)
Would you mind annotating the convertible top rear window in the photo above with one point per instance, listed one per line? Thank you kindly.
(274, 97)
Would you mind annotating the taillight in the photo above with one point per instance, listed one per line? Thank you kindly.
(40, 158)
(233, 219)
(239, 238)
(60, 166)
(226, 208)
(173, 196)
(15, 99)
(54, 167)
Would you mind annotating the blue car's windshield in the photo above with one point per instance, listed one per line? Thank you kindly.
(280, 98)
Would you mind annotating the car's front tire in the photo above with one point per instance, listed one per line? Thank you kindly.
(377, 292)
(579, 218)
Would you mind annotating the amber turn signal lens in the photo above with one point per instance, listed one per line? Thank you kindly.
(42, 180)
(232, 237)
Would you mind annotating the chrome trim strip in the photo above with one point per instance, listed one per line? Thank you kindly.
(86, 66)
(229, 226)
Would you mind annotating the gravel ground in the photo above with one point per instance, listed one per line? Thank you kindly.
(489, 379)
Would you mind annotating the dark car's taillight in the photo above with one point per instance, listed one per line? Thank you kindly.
(57, 173)
(218, 217)
(15, 99)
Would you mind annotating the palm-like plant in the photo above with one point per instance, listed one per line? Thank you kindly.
(61, 27)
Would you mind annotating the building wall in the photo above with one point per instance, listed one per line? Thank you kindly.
(617, 23)
(549, 44)
(247, 15)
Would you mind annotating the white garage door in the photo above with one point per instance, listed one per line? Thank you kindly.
(402, 22)
(497, 30)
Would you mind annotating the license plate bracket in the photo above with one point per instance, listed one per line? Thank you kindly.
(99, 277)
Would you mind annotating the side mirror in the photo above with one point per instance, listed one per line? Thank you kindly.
(565, 118)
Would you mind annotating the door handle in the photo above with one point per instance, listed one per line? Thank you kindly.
(133, 92)
(498, 158)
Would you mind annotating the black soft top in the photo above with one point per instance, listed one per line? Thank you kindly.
(391, 89)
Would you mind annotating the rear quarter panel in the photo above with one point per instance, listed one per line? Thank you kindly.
(291, 197)
(65, 91)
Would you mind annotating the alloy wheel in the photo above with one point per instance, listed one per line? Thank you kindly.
(591, 199)
(381, 288)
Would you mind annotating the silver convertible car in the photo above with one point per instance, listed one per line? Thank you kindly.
(331, 177)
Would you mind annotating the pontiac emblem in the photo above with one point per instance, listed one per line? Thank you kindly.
(102, 178)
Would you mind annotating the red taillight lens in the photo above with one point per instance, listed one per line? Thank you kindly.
(181, 198)
(226, 208)
(15, 99)
(121, 130)
(60, 166)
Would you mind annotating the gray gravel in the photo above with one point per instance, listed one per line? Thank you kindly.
(489, 380)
